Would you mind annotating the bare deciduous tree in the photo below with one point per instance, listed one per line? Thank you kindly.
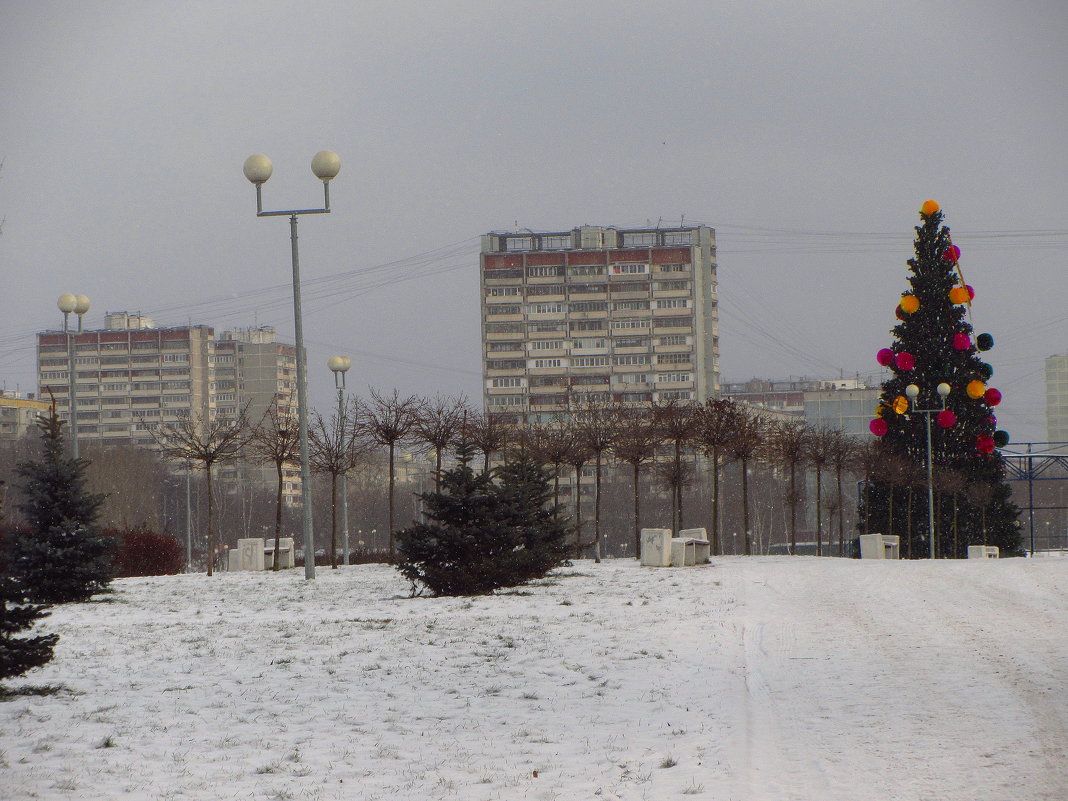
(490, 433)
(788, 447)
(821, 445)
(677, 424)
(749, 434)
(209, 443)
(437, 424)
(594, 425)
(635, 443)
(388, 421)
(275, 440)
(336, 448)
(717, 421)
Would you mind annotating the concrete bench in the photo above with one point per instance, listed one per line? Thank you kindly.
(983, 552)
(660, 549)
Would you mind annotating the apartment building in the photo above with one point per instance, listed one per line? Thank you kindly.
(1057, 398)
(131, 375)
(845, 404)
(18, 414)
(627, 315)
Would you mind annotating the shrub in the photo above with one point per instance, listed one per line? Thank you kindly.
(143, 552)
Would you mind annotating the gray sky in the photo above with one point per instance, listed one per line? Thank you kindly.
(807, 133)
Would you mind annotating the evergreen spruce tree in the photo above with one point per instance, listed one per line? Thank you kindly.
(483, 535)
(934, 343)
(20, 654)
(62, 558)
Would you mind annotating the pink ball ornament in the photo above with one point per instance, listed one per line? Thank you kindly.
(992, 397)
(971, 292)
(878, 427)
(952, 253)
(962, 341)
(885, 357)
(946, 418)
(905, 360)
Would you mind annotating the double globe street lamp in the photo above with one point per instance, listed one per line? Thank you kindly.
(258, 168)
(339, 365)
(79, 304)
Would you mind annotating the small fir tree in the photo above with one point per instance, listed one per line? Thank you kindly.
(62, 558)
(20, 654)
(934, 344)
(482, 535)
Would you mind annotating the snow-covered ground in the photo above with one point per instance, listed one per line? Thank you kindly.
(766, 678)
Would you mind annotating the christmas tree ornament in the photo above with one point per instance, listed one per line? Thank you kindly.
(885, 357)
(1001, 438)
(971, 292)
(984, 342)
(909, 304)
(975, 389)
(901, 404)
(899, 312)
(984, 443)
(952, 253)
(958, 295)
(961, 341)
(929, 207)
(946, 418)
(878, 427)
(992, 397)
(985, 370)
(905, 360)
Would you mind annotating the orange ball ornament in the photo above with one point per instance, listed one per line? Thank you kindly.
(975, 389)
(909, 303)
(901, 404)
(929, 207)
(959, 294)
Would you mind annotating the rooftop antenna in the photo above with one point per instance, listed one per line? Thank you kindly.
(682, 222)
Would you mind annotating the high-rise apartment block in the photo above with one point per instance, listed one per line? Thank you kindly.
(627, 315)
(131, 375)
(1057, 398)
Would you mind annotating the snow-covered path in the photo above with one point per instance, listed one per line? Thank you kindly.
(767, 678)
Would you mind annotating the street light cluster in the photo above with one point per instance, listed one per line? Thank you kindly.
(79, 305)
(913, 393)
(325, 166)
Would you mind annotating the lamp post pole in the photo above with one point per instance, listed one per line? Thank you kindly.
(913, 392)
(339, 365)
(79, 304)
(258, 169)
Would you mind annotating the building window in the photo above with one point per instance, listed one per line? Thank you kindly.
(632, 342)
(549, 363)
(507, 382)
(589, 306)
(674, 339)
(632, 378)
(506, 400)
(630, 268)
(545, 271)
(588, 325)
(504, 328)
(502, 291)
(630, 323)
(589, 361)
(547, 344)
(547, 308)
(673, 358)
(671, 286)
(581, 271)
(673, 303)
(503, 308)
(546, 289)
(548, 328)
(585, 289)
(589, 380)
(630, 359)
(581, 344)
(630, 305)
(670, 377)
(505, 364)
(674, 268)
(505, 346)
(676, 394)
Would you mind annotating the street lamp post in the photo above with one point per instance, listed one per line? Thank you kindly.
(79, 304)
(339, 365)
(258, 169)
(913, 392)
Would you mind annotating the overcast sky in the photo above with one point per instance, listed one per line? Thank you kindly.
(807, 133)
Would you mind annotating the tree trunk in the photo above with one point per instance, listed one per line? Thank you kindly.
(819, 511)
(637, 510)
(715, 502)
(392, 480)
(333, 521)
(578, 511)
(278, 519)
(841, 513)
(211, 521)
(793, 510)
(745, 506)
(597, 509)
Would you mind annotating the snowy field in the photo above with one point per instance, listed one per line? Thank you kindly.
(767, 678)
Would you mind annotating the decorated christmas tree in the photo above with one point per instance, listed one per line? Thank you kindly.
(938, 387)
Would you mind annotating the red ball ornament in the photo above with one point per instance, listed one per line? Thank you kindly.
(952, 253)
(905, 360)
(984, 443)
(992, 397)
(885, 357)
(946, 418)
(878, 427)
(962, 341)
(971, 292)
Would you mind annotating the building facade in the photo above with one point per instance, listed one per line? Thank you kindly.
(845, 404)
(1057, 398)
(18, 414)
(626, 315)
